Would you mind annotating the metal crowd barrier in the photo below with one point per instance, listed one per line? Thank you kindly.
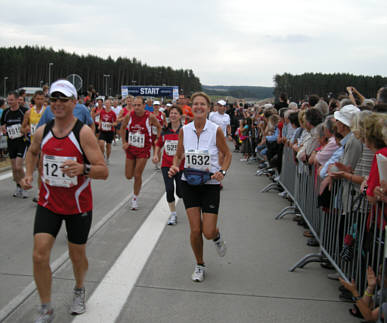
(350, 232)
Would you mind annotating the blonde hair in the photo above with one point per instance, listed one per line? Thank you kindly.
(301, 118)
(373, 126)
(357, 123)
(202, 94)
(384, 132)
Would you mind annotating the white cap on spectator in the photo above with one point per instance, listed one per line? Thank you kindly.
(268, 105)
(346, 113)
(64, 87)
(156, 103)
(169, 105)
(221, 102)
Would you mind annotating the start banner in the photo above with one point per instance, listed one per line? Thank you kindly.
(153, 91)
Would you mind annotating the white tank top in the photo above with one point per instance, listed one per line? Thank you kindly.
(205, 142)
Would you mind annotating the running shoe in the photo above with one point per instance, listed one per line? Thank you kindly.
(243, 159)
(78, 306)
(107, 162)
(17, 192)
(134, 204)
(220, 246)
(23, 194)
(172, 219)
(45, 315)
(199, 273)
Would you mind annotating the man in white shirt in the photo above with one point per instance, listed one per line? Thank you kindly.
(222, 119)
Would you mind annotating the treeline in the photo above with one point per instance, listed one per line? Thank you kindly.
(298, 86)
(29, 66)
(253, 92)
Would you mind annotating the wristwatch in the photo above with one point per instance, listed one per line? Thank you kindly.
(86, 169)
(356, 298)
(223, 172)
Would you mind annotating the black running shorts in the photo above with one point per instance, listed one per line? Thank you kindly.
(17, 148)
(107, 136)
(77, 225)
(207, 197)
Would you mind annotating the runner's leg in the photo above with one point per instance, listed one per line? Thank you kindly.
(195, 223)
(139, 168)
(77, 253)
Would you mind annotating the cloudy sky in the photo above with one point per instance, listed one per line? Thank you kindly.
(230, 42)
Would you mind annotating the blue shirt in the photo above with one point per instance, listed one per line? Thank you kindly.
(335, 156)
(80, 112)
(148, 108)
(274, 137)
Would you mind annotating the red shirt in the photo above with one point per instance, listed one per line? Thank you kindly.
(75, 198)
(280, 126)
(187, 111)
(97, 115)
(106, 120)
(373, 178)
(139, 132)
(169, 139)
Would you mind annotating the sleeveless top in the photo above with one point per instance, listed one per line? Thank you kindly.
(201, 152)
(169, 139)
(58, 192)
(34, 119)
(139, 132)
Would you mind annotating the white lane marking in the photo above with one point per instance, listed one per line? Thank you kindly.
(5, 176)
(108, 299)
(31, 287)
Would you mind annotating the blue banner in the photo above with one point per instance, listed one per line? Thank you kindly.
(152, 91)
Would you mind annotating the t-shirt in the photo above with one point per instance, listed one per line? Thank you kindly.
(187, 111)
(80, 112)
(373, 178)
(280, 105)
(148, 108)
(222, 120)
(117, 110)
(13, 121)
(107, 119)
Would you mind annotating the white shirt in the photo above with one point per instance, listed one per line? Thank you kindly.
(222, 120)
(117, 110)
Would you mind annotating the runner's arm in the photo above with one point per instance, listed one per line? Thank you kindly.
(93, 153)
(153, 120)
(25, 124)
(223, 148)
(124, 124)
(178, 156)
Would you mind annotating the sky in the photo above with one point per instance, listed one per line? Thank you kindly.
(224, 42)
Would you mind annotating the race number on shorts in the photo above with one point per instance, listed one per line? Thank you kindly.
(197, 159)
(52, 171)
(136, 139)
(170, 147)
(14, 131)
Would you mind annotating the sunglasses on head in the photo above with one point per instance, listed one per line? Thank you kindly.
(62, 99)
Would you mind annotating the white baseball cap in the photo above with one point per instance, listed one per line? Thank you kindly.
(64, 87)
(221, 102)
(156, 103)
(346, 113)
(169, 104)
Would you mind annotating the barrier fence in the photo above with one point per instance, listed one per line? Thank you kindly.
(350, 230)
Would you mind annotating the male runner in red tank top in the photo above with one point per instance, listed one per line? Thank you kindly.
(137, 142)
(70, 157)
(162, 120)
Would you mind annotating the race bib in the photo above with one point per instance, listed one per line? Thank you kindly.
(154, 130)
(33, 128)
(170, 147)
(52, 171)
(14, 131)
(197, 159)
(136, 139)
(97, 118)
(106, 126)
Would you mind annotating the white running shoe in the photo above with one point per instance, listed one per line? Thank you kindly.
(172, 219)
(134, 204)
(78, 306)
(199, 273)
(107, 162)
(23, 194)
(243, 159)
(17, 192)
(45, 316)
(221, 247)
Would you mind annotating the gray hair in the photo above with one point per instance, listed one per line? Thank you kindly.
(345, 102)
(293, 106)
(323, 107)
(329, 124)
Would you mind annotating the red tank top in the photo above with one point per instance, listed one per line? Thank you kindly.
(107, 119)
(59, 193)
(139, 132)
(169, 139)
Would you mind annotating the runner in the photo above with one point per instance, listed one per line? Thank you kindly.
(95, 114)
(137, 143)
(70, 157)
(117, 109)
(162, 120)
(106, 129)
(11, 122)
(168, 139)
(187, 111)
(200, 143)
(31, 121)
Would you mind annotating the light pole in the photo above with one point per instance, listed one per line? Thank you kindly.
(106, 76)
(41, 83)
(134, 82)
(49, 73)
(5, 85)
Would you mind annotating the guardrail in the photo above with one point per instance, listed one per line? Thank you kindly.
(350, 231)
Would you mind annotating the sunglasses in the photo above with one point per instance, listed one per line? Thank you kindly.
(62, 99)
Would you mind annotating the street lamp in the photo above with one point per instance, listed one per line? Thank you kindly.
(49, 73)
(5, 85)
(134, 82)
(41, 83)
(106, 76)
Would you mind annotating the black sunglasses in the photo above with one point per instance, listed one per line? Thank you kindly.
(62, 99)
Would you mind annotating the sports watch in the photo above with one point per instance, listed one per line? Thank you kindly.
(223, 172)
